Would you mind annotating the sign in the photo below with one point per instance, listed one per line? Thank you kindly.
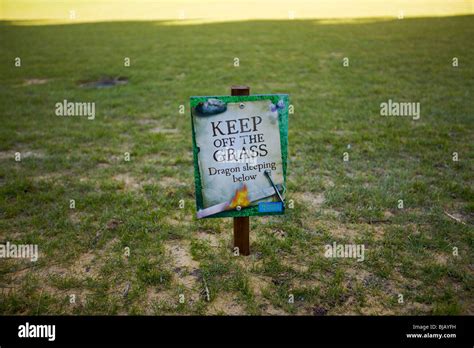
(240, 148)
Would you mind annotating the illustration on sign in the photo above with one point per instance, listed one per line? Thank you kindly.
(240, 147)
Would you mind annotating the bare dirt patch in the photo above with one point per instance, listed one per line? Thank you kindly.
(379, 232)
(441, 259)
(29, 82)
(374, 306)
(313, 200)
(184, 266)
(413, 308)
(294, 264)
(159, 130)
(23, 153)
(179, 252)
(129, 182)
(210, 238)
(278, 233)
(328, 182)
(258, 283)
(342, 132)
(90, 263)
(85, 265)
(343, 232)
(331, 212)
(103, 165)
(76, 217)
(271, 310)
(53, 176)
(172, 222)
(178, 219)
(159, 299)
(147, 122)
(168, 181)
(226, 303)
(307, 283)
(456, 217)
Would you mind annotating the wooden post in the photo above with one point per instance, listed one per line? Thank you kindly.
(241, 224)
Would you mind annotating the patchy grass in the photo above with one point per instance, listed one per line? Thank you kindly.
(178, 265)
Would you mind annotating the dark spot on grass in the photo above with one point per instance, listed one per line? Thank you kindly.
(105, 82)
(113, 224)
(319, 311)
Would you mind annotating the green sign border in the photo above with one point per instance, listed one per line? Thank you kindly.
(283, 125)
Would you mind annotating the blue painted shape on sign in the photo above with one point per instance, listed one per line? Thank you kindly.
(270, 207)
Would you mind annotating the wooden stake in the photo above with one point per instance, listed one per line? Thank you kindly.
(241, 224)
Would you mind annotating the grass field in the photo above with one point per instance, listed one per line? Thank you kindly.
(135, 204)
